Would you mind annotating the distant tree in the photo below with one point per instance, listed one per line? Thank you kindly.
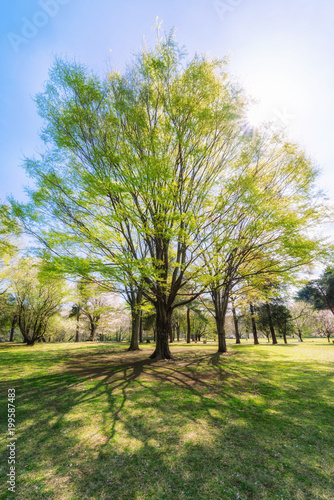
(94, 305)
(76, 312)
(60, 329)
(319, 292)
(266, 321)
(282, 319)
(304, 318)
(325, 324)
(115, 320)
(254, 328)
(7, 314)
(11, 313)
(37, 299)
(235, 321)
(149, 320)
(200, 320)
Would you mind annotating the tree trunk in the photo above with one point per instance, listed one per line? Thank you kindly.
(300, 334)
(171, 333)
(141, 326)
(163, 328)
(12, 329)
(135, 327)
(136, 298)
(236, 324)
(77, 330)
(93, 327)
(284, 337)
(220, 301)
(256, 340)
(25, 332)
(271, 324)
(188, 326)
(220, 323)
(178, 331)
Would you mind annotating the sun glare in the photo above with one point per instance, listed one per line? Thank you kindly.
(277, 99)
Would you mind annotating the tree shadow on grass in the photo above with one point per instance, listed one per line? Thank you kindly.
(126, 427)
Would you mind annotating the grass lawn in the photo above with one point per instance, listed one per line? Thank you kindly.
(96, 422)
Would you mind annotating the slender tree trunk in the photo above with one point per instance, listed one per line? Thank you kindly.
(154, 334)
(163, 325)
(12, 329)
(135, 327)
(77, 330)
(256, 340)
(300, 334)
(236, 324)
(285, 332)
(178, 331)
(171, 333)
(271, 324)
(141, 326)
(136, 298)
(188, 326)
(220, 301)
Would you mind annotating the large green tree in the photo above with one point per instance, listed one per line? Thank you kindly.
(129, 179)
(268, 209)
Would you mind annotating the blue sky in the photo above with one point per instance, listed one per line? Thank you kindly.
(282, 51)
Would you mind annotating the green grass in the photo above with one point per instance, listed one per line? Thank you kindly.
(96, 422)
